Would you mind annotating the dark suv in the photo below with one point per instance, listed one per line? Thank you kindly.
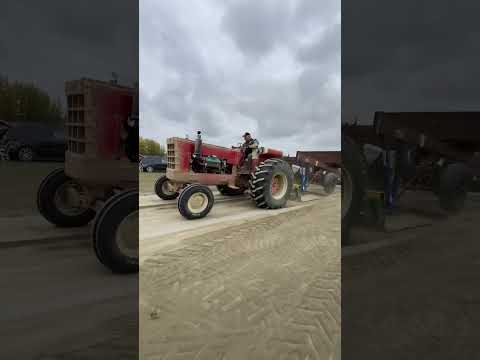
(31, 141)
(153, 164)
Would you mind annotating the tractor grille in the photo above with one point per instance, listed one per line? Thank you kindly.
(171, 155)
(76, 123)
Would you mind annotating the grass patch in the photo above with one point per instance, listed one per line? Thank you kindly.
(19, 184)
(147, 181)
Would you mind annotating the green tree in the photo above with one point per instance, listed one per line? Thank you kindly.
(150, 147)
(27, 102)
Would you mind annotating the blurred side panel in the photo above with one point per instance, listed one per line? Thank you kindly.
(410, 148)
(69, 179)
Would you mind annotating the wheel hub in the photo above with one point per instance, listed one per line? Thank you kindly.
(68, 199)
(168, 188)
(197, 203)
(127, 235)
(279, 186)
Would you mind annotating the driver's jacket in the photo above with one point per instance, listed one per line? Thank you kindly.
(249, 146)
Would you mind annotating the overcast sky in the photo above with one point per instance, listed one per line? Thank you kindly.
(226, 67)
(51, 41)
(409, 56)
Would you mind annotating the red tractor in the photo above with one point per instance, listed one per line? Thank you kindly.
(193, 167)
(99, 182)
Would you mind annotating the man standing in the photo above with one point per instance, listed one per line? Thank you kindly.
(250, 147)
(250, 144)
(303, 177)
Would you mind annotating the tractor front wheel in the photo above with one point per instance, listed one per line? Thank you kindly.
(195, 201)
(165, 189)
(271, 184)
(59, 201)
(115, 233)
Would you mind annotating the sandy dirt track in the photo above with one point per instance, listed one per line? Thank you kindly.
(420, 297)
(64, 304)
(265, 289)
(162, 226)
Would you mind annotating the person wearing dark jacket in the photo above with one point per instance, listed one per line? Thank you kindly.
(250, 144)
(249, 147)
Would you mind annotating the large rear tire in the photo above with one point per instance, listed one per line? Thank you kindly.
(354, 177)
(115, 233)
(228, 191)
(163, 189)
(271, 184)
(454, 184)
(195, 201)
(53, 201)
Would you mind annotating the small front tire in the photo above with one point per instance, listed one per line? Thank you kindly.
(195, 201)
(163, 189)
(115, 233)
(52, 201)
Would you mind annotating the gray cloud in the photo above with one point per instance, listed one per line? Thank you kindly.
(257, 26)
(226, 67)
(325, 50)
(49, 42)
(407, 56)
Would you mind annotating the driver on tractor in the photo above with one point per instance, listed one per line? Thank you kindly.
(250, 149)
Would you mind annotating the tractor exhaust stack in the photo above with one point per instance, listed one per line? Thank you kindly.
(198, 145)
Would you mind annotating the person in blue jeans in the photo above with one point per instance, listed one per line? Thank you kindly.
(303, 176)
(392, 179)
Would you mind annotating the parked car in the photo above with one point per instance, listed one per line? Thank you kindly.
(32, 141)
(153, 164)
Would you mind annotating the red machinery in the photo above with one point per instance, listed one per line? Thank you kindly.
(99, 182)
(194, 166)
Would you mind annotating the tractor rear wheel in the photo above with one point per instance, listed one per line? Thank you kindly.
(271, 184)
(195, 201)
(164, 189)
(58, 200)
(115, 233)
(228, 191)
(330, 183)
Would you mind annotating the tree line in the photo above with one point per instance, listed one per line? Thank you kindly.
(150, 147)
(21, 101)
(24, 101)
